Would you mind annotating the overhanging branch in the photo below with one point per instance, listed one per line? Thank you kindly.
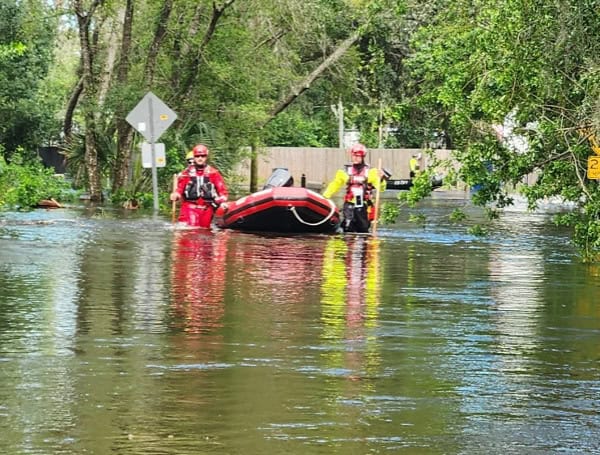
(306, 83)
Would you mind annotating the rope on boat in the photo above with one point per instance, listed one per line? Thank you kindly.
(333, 207)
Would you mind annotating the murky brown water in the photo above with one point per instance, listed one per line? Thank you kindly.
(122, 335)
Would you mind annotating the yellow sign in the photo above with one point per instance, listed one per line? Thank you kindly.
(595, 145)
(593, 170)
(163, 117)
(587, 132)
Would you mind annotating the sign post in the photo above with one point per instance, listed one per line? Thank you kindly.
(151, 117)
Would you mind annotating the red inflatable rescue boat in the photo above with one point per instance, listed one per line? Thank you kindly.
(282, 209)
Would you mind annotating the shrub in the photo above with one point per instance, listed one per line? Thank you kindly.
(24, 185)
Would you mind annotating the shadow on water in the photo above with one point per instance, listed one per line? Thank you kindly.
(126, 334)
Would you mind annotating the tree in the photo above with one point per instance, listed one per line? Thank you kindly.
(26, 38)
(537, 60)
(227, 68)
(85, 21)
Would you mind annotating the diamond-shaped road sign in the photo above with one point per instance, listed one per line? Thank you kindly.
(151, 117)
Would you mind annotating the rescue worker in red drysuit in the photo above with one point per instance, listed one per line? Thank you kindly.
(201, 189)
(360, 181)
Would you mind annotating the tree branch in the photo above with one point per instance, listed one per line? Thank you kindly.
(159, 34)
(192, 72)
(71, 106)
(306, 83)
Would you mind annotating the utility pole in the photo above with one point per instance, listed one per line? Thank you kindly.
(380, 142)
(339, 113)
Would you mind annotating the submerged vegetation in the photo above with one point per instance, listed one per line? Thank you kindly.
(24, 185)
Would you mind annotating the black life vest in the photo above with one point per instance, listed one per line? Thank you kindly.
(199, 187)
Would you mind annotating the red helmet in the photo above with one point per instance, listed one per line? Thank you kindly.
(200, 150)
(358, 149)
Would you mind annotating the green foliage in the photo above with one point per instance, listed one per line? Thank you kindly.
(24, 184)
(294, 129)
(134, 197)
(26, 34)
(457, 215)
(535, 63)
(417, 218)
(382, 105)
(478, 230)
(586, 230)
(11, 50)
(421, 188)
(75, 155)
(492, 214)
(389, 212)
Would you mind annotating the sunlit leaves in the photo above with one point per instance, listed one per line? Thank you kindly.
(11, 50)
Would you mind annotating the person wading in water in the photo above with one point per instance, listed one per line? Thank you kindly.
(360, 181)
(201, 189)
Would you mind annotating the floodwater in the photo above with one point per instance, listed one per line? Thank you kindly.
(122, 335)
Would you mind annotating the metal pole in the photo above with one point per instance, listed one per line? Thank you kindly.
(341, 123)
(153, 155)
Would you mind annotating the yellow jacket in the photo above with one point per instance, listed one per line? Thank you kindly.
(414, 165)
(341, 180)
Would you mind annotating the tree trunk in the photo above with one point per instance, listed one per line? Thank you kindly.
(71, 105)
(254, 167)
(124, 130)
(105, 77)
(159, 34)
(182, 46)
(91, 151)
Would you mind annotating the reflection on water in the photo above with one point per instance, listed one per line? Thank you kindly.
(349, 301)
(198, 267)
(121, 334)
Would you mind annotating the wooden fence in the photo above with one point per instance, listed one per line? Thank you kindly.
(319, 165)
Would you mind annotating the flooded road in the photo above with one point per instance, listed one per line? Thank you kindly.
(120, 334)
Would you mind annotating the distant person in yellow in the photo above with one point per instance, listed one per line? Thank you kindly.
(414, 165)
(189, 158)
(360, 181)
